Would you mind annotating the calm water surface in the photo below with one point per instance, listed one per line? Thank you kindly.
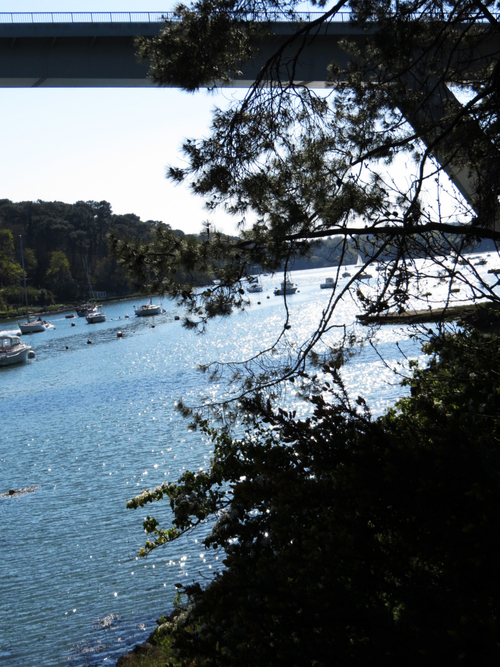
(94, 424)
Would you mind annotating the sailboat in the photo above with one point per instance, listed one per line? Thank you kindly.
(89, 307)
(31, 326)
(359, 267)
(148, 308)
(94, 314)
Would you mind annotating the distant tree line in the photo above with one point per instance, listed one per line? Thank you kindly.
(59, 241)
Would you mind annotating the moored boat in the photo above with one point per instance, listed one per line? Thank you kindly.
(95, 317)
(255, 286)
(35, 326)
(359, 266)
(148, 309)
(90, 307)
(328, 284)
(86, 308)
(31, 326)
(12, 350)
(287, 287)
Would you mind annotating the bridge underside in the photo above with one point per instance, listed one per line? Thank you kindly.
(77, 56)
(103, 55)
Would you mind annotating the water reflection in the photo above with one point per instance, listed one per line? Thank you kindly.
(94, 423)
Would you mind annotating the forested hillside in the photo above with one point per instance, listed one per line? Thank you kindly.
(58, 240)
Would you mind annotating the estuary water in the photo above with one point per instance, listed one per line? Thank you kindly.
(90, 422)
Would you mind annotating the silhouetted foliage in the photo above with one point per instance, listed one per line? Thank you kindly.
(387, 163)
(348, 539)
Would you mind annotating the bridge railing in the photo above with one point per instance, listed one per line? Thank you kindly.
(132, 17)
(153, 17)
(84, 17)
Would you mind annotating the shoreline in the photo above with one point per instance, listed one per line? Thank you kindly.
(63, 308)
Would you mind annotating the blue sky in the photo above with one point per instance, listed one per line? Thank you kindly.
(103, 144)
(113, 144)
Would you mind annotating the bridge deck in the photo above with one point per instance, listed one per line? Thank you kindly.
(86, 52)
(97, 50)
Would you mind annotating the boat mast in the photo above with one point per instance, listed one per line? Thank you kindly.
(149, 285)
(91, 291)
(24, 279)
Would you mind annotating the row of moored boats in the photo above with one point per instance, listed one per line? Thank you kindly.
(14, 351)
(93, 313)
(288, 287)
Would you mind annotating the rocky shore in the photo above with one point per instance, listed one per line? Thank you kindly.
(136, 655)
(150, 649)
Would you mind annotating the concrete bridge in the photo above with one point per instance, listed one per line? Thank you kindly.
(96, 49)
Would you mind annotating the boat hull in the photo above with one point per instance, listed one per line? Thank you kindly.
(145, 311)
(286, 287)
(12, 351)
(95, 318)
(36, 326)
(12, 358)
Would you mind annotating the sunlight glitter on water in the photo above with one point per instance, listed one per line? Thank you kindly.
(95, 424)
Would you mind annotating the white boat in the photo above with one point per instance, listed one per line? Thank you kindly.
(255, 286)
(31, 326)
(328, 284)
(90, 307)
(12, 350)
(85, 309)
(35, 326)
(287, 287)
(95, 316)
(346, 274)
(148, 309)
